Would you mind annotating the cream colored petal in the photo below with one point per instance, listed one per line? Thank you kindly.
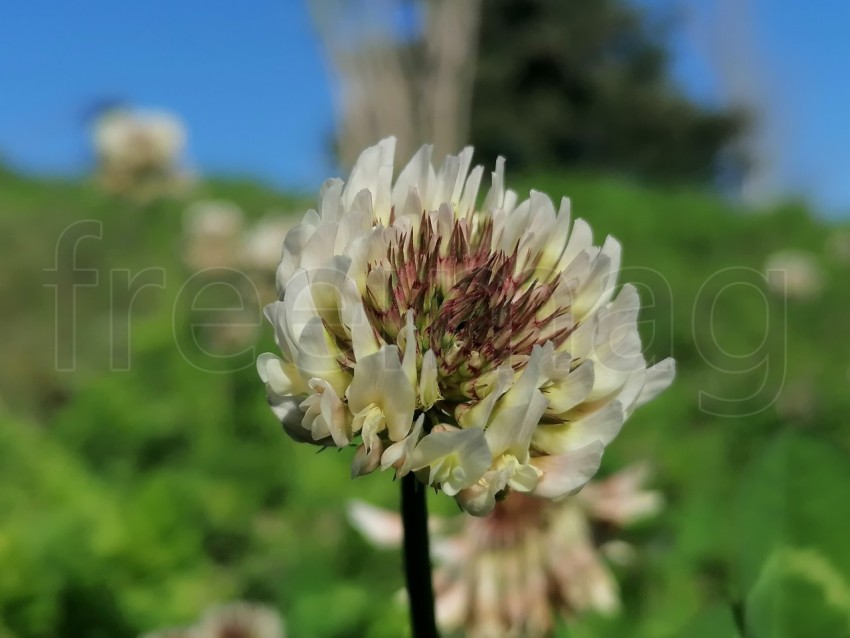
(479, 415)
(566, 393)
(470, 193)
(477, 500)
(379, 379)
(326, 286)
(602, 425)
(581, 238)
(563, 474)
(293, 246)
(364, 341)
(444, 185)
(414, 175)
(320, 247)
(464, 162)
(524, 478)
(464, 450)
(518, 412)
(381, 527)
(400, 454)
(556, 241)
(334, 413)
(366, 174)
(429, 389)
(282, 377)
(408, 342)
(658, 378)
(297, 308)
(318, 357)
(495, 197)
(367, 458)
(330, 198)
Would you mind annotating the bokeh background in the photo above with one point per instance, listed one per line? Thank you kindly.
(152, 156)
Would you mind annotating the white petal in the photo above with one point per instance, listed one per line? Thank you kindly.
(318, 357)
(464, 449)
(524, 478)
(479, 415)
(413, 175)
(602, 425)
(379, 379)
(563, 474)
(470, 193)
(330, 197)
(400, 454)
(367, 457)
(381, 527)
(518, 412)
(658, 378)
(477, 500)
(556, 241)
(429, 390)
(270, 369)
(408, 337)
(293, 246)
(564, 394)
(334, 413)
(364, 342)
(495, 197)
(581, 238)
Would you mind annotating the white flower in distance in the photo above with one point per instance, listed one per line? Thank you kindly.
(530, 561)
(481, 347)
(234, 620)
(139, 152)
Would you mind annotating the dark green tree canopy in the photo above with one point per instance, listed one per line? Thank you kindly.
(584, 83)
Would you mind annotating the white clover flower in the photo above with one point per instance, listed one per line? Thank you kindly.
(139, 151)
(529, 561)
(212, 230)
(795, 274)
(241, 620)
(234, 620)
(480, 347)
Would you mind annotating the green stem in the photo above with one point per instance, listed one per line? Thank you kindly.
(417, 559)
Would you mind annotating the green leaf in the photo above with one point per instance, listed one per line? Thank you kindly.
(799, 593)
(793, 555)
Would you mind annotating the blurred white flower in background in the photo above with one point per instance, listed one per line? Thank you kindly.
(212, 231)
(795, 274)
(262, 244)
(528, 562)
(481, 347)
(139, 152)
(236, 620)
(216, 236)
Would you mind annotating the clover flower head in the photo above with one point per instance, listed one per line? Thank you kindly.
(480, 346)
(233, 620)
(529, 561)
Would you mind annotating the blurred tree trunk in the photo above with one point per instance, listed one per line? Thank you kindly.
(416, 86)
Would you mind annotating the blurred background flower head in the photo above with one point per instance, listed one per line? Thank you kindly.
(529, 561)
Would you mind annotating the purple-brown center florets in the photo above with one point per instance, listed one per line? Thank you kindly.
(470, 304)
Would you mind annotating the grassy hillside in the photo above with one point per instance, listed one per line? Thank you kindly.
(132, 499)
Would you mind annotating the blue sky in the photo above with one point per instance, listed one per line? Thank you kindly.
(250, 82)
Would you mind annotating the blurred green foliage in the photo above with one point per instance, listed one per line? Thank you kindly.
(585, 84)
(134, 499)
